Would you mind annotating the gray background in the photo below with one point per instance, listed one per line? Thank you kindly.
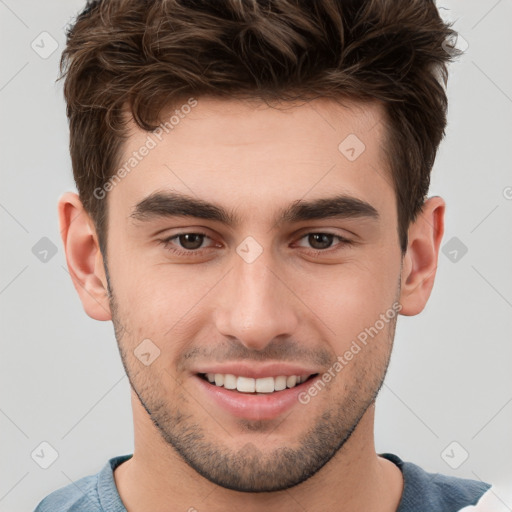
(62, 381)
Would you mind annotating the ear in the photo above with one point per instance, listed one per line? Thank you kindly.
(83, 256)
(420, 260)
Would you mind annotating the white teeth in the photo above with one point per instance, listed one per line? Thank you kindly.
(265, 385)
(230, 381)
(291, 381)
(250, 385)
(246, 385)
(280, 383)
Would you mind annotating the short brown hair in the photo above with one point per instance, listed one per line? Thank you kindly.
(141, 56)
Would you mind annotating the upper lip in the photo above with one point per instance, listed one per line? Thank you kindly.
(257, 371)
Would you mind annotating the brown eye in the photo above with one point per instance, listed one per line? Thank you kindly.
(324, 242)
(191, 241)
(320, 240)
(187, 244)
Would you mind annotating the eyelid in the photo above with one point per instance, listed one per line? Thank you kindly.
(335, 231)
(178, 251)
(169, 240)
(342, 240)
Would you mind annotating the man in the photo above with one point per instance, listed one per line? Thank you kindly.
(252, 216)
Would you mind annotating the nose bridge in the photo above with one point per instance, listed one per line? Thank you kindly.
(255, 306)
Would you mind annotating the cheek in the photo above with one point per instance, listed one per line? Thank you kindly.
(169, 302)
(154, 292)
(349, 298)
(163, 305)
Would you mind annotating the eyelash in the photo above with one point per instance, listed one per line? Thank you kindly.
(198, 252)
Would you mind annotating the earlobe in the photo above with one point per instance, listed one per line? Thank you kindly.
(420, 261)
(83, 256)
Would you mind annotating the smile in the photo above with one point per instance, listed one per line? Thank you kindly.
(255, 386)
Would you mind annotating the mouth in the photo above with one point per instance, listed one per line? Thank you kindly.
(254, 392)
(255, 386)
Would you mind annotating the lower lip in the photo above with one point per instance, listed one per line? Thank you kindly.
(251, 406)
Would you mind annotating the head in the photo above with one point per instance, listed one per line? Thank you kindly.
(253, 182)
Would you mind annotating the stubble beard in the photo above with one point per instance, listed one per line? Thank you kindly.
(249, 468)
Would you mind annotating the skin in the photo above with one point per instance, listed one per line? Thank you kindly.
(290, 304)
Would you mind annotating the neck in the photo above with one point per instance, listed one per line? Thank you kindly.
(156, 478)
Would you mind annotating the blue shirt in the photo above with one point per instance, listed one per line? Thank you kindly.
(423, 491)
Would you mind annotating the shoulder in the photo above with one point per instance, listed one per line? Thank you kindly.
(496, 499)
(435, 491)
(80, 495)
(93, 493)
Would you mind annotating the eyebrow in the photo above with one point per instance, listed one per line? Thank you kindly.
(172, 204)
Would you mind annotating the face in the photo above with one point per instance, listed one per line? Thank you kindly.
(249, 248)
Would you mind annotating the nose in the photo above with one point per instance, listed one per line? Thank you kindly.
(256, 304)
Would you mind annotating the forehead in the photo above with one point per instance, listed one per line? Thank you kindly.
(254, 158)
